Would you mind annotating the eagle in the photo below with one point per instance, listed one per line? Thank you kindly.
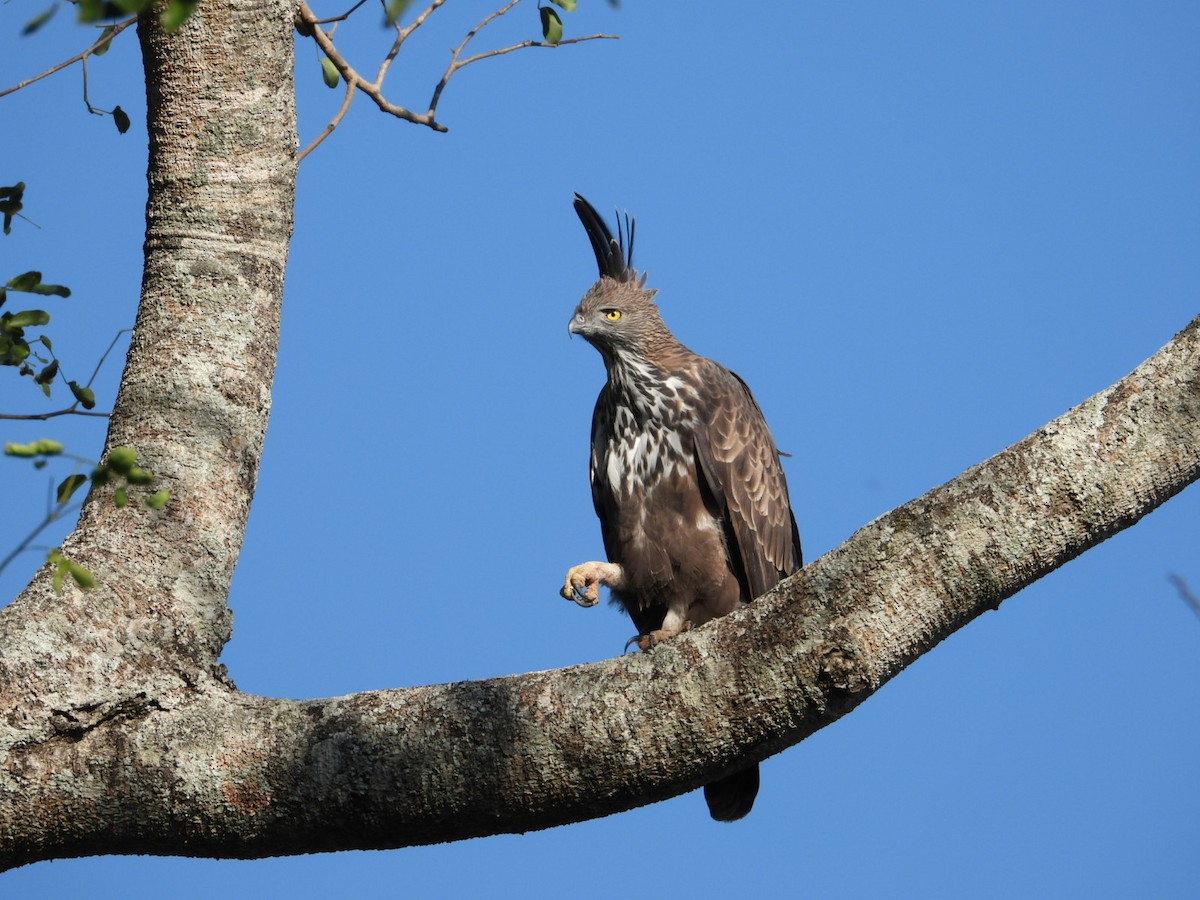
(686, 478)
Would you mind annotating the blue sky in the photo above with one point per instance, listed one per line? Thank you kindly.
(919, 230)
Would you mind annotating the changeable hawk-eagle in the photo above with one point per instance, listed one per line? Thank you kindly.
(685, 475)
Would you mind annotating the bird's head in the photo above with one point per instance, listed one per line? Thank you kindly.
(617, 315)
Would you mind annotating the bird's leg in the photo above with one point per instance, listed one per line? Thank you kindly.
(583, 581)
(672, 626)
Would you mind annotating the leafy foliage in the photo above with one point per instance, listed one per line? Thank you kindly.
(120, 471)
(17, 348)
(11, 203)
(171, 17)
(34, 357)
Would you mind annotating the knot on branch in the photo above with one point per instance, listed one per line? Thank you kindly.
(78, 721)
(842, 666)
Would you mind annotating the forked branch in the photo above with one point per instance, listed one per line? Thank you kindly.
(355, 82)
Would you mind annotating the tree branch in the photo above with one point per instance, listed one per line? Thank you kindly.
(103, 41)
(209, 771)
(374, 89)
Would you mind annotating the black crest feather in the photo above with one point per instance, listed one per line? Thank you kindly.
(613, 258)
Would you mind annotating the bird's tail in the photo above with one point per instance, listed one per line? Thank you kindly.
(733, 796)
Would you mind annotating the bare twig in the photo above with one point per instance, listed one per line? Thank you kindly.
(105, 39)
(1185, 592)
(104, 355)
(344, 16)
(455, 65)
(354, 80)
(41, 417)
(52, 516)
(403, 33)
(333, 123)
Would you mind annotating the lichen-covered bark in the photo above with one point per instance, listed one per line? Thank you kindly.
(118, 733)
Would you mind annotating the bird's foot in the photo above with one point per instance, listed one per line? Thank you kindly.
(654, 638)
(583, 581)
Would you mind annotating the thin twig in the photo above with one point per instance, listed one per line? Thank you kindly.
(455, 65)
(344, 16)
(1185, 592)
(374, 89)
(104, 40)
(402, 35)
(41, 417)
(351, 77)
(104, 355)
(51, 517)
(333, 123)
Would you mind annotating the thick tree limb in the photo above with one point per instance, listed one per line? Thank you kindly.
(208, 771)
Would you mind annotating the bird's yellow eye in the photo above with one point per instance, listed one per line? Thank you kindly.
(612, 315)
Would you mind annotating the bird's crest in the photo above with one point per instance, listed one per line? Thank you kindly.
(613, 258)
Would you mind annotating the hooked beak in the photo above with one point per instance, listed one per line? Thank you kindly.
(575, 326)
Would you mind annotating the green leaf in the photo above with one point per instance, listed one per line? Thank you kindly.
(57, 582)
(82, 576)
(552, 29)
(121, 118)
(120, 498)
(39, 20)
(122, 459)
(15, 353)
(31, 283)
(91, 11)
(395, 9)
(69, 486)
(158, 500)
(568, 5)
(47, 290)
(329, 72)
(104, 48)
(26, 282)
(47, 374)
(176, 13)
(85, 395)
(44, 447)
(10, 204)
(27, 318)
(138, 475)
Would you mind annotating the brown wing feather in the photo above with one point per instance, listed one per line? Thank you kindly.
(739, 463)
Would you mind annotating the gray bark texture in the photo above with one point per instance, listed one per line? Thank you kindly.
(119, 732)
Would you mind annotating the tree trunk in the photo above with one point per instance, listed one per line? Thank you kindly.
(78, 670)
(119, 733)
